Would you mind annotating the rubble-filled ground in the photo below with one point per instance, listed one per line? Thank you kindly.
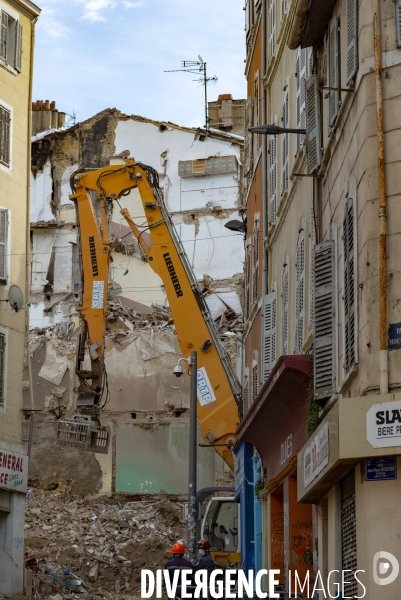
(104, 542)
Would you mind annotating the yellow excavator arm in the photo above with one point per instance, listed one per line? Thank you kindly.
(219, 394)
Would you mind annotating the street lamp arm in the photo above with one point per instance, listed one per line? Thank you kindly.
(274, 130)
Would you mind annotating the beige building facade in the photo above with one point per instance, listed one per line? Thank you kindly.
(18, 18)
(322, 281)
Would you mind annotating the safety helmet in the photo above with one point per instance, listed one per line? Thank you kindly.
(204, 544)
(177, 548)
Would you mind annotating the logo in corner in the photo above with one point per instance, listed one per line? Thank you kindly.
(381, 566)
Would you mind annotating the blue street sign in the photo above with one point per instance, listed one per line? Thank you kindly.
(377, 469)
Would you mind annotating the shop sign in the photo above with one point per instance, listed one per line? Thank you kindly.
(379, 469)
(13, 471)
(383, 425)
(316, 455)
(205, 391)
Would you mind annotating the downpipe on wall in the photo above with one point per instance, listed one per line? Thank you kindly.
(383, 353)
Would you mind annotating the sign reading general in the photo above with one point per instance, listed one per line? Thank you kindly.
(316, 455)
(13, 471)
(383, 425)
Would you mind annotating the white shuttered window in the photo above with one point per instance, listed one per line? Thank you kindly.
(255, 269)
(284, 310)
(352, 39)
(324, 359)
(301, 94)
(283, 8)
(272, 179)
(397, 5)
(311, 266)
(10, 41)
(247, 291)
(285, 142)
(269, 356)
(300, 293)
(313, 124)
(349, 287)
(333, 68)
(272, 28)
(3, 244)
(5, 136)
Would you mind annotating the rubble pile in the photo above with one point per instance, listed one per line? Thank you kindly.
(159, 317)
(95, 547)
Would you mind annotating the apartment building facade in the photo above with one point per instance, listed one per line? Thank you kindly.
(18, 19)
(321, 336)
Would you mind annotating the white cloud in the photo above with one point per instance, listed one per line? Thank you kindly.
(50, 25)
(93, 8)
(128, 4)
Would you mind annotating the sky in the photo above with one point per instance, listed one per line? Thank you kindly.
(96, 54)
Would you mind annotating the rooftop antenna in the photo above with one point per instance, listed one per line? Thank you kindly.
(196, 67)
(72, 120)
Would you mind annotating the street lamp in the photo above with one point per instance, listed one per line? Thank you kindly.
(274, 130)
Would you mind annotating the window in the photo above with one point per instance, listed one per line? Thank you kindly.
(284, 310)
(255, 271)
(11, 40)
(247, 292)
(3, 245)
(285, 142)
(3, 367)
(269, 331)
(324, 358)
(5, 136)
(255, 387)
(272, 178)
(272, 28)
(313, 125)
(311, 266)
(352, 39)
(210, 166)
(247, 16)
(299, 293)
(301, 104)
(349, 286)
(245, 394)
(397, 5)
(333, 70)
(256, 117)
(283, 8)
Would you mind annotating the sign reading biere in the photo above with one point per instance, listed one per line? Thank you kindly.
(383, 425)
(13, 471)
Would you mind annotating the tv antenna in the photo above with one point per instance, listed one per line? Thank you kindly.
(197, 67)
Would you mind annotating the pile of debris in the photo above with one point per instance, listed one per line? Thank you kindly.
(94, 546)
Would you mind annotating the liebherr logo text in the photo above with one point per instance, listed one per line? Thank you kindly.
(92, 250)
(173, 275)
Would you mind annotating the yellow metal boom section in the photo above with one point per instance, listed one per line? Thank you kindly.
(218, 413)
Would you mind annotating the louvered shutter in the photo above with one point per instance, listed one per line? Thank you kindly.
(4, 136)
(283, 8)
(272, 178)
(3, 244)
(245, 398)
(248, 138)
(349, 287)
(324, 359)
(247, 282)
(313, 126)
(284, 310)
(301, 104)
(4, 35)
(269, 328)
(18, 47)
(352, 39)
(285, 142)
(299, 293)
(272, 28)
(348, 534)
(333, 67)
(255, 387)
(312, 266)
(255, 271)
(397, 5)
(2, 369)
(247, 16)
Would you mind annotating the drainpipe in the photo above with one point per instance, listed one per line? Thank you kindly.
(28, 229)
(383, 355)
(264, 178)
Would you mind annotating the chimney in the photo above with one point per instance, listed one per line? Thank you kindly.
(46, 117)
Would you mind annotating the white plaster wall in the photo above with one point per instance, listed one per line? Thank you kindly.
(65, 185)
(41, 195)
(39, 319)
(43, 243)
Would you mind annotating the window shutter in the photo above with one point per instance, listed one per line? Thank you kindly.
(299, 293)
(272, 178)
(245, 398)
(269, 356)
(283, 8)
(272, 28)
(333, 66)
(3, 35)
(3, 244)
(352, 39)
(312, 267)
(255, 387)
(301, 105)
(18, 46)
(247, 281)
(2, 369)
(4, 136)
(247, 16)
(324, 359)
(285, 142)
(397, 5)
(255, 271)
(349, 287)
(313, 126)
(284, 310)
(248, 137)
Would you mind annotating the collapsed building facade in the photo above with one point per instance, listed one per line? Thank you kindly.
(200, 173)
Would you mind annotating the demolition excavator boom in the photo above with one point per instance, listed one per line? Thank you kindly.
(219, 394)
